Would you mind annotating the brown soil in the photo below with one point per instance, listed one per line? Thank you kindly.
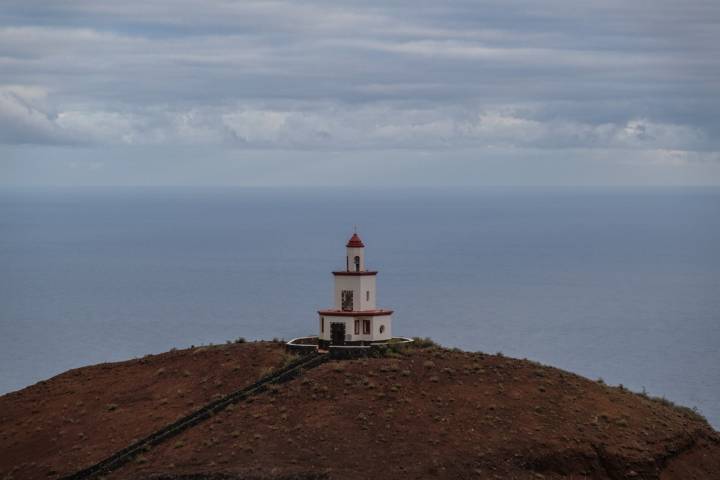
(75, 419)
(429, 413)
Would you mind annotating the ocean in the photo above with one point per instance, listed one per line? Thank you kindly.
(614, 283)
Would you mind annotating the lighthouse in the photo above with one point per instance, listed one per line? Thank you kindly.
(355, 318)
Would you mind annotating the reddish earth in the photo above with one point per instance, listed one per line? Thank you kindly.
(426, 413)
(83, 415)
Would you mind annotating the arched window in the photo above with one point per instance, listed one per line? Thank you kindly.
(357, 263)
(382, 328)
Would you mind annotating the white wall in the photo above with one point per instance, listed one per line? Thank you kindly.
(351, 254)
(375, 323)
(360, 285)
(346, 282)
(385, 321)
(367, 284)
(348, 321)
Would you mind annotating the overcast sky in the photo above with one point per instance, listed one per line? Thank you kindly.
(173, 92)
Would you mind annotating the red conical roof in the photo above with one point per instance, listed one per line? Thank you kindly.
(355, 242)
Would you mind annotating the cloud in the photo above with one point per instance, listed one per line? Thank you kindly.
(326, 76)
(23, 118)
(333, 126)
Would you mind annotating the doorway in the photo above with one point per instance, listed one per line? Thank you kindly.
(337, 333)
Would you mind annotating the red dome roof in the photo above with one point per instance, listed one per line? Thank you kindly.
(355, 242)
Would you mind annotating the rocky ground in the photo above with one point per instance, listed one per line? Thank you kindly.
(423, 413)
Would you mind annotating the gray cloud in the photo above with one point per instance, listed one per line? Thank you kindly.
(322, 76)
(328, 125)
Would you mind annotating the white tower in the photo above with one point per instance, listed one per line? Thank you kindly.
(355, 320)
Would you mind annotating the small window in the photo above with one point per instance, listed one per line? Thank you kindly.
(382, 328)
(357, 327)
(357, 263)
(367, 296)
(322, 324)
(366, 327)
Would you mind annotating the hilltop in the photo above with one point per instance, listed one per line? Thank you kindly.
(421, 413)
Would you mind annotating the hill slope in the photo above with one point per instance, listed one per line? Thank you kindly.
(427, 413)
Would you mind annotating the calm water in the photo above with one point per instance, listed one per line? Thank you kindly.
(620, 284)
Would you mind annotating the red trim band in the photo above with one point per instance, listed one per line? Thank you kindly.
(356, 313)
(344, 273)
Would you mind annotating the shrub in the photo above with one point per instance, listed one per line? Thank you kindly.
(240, 340)
(111, 406)
(289, 358)
(395, 348)
(266, 371)
(692, 413)
(427, 342)
(395, 352)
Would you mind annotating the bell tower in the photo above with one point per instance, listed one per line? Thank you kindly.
(355, 259)
(355, 318)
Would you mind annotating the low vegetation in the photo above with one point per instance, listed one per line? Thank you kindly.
(426, 342)
(691, 413)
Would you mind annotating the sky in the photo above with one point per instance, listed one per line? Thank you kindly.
(359, 93)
